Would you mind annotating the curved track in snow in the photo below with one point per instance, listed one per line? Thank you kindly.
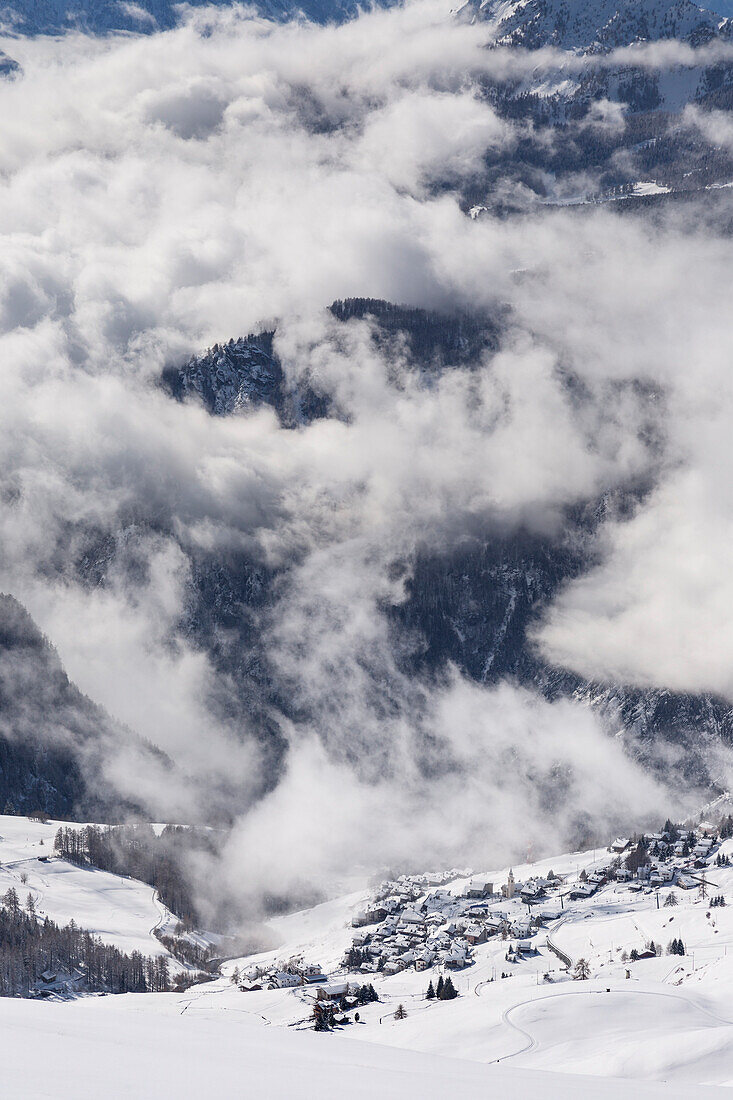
(531, 1042)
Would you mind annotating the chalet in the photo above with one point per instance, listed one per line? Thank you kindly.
(283, 980)
(582, 890)
(532, 890)
(393, 903)
(475, 933)
(477, 910)
(410, 916)
(373, 915)
(524, 945)
(456, 958)
(393, 966)
(332, 991)
(253, 975)
(425, 959)
(620, 844)
(441, 940)
(480, 888)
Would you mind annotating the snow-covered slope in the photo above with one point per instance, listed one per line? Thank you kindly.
(662, 1018)
(122, 911)
(658, 1026)
(594, 25)
(126, 1048)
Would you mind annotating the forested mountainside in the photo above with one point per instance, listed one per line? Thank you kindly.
(246, 373)
(472, 607)
(617, 126)
(52, 737)
(27, 17)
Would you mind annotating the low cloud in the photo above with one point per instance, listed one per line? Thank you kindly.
(163, 193)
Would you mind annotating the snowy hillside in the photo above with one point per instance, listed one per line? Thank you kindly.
(643, 1014)
(510, 940)
(599, 24)
(155, 1045)
(124, 912)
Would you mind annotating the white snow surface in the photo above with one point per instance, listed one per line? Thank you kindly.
(148, 1045)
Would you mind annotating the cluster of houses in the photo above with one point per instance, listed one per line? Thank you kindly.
(413, 922)
(283, 974)
(407, 926)
(416, 921)
(671, 858)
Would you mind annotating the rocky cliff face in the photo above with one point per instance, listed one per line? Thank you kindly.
(244, 374)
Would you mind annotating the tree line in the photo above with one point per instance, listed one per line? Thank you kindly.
(36, 952)
(136, 851)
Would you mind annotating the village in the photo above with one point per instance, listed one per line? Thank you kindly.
(434, 922)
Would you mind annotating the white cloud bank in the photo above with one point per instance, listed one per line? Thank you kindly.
(158, 194)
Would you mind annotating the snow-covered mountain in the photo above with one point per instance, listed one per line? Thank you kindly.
(29, 17)
(598, 25)
(244, 374)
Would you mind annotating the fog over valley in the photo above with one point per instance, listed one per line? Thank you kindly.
(364, 449)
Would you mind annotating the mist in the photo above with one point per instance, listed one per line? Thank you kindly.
(161, 194)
